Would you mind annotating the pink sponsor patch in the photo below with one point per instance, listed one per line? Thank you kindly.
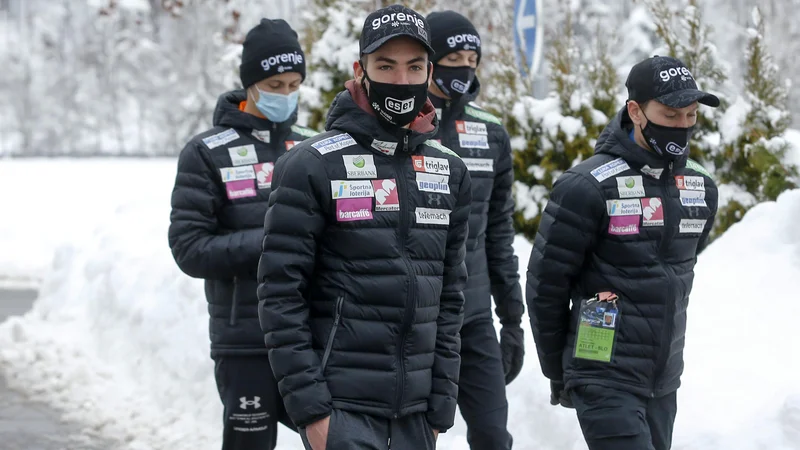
(352, 209)
(241, 189)
(623, 225)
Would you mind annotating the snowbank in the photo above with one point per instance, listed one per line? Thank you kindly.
(118, 339)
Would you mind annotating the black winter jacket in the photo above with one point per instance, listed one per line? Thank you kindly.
(217, 220)
(621, 222)
(483, 144)
(363, 270)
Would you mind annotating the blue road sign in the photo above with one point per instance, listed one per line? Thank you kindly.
(528, 35)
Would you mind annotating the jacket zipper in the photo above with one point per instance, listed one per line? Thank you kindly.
(234, 301)
(663, 349)
(337, 317)
(410, 299)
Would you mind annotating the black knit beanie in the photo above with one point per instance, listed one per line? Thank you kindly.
(271, 48)
(451, 32)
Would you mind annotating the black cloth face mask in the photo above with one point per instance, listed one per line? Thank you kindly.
(453, 81)
(395, 105)
(670, 142)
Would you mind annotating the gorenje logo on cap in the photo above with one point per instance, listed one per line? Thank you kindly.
(682, 72)
(397, 17)
(465, 38)
(293, 58)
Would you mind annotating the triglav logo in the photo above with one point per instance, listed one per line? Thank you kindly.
(395, 18)
(682, 72)
(399, 106)
(255, 402)
(293, 58)
(465, 38)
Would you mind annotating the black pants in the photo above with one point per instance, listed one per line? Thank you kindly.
(482, 388)
(252, 405)
(354, 431)
(617, 420)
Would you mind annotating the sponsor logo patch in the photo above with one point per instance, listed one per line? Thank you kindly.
(630, 187)
(610, 169)
(264, 175)
(246, 154)
(690, 183)
(479, 164)
(465, 127)
(237, 173)
(386, 198)
(262, 135)
(385, 147)
(350, 189)
(219, 139)
(430, 164)
(473, 141)
(429, 182)
(692, 225)
(624, 207)
(623, 225)
(334, 143)
(241, 189)
(433, 216)
(652, 212)
(360, 166)
(353, 209)
(655, 173)
(693, 198)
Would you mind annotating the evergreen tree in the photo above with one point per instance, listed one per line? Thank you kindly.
(753, 163)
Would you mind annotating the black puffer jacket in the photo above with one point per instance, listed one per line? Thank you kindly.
(483, 144)
(217, 220)
(647, 257)
(362, 271)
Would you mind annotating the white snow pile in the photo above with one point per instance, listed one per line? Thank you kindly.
(118, 338)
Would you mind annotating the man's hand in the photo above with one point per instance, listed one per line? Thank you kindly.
(512, 348)
(558, 396)
(317, 434)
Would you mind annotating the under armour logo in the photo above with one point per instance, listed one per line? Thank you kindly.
(255, 402)
(435, 199)
(476, 152)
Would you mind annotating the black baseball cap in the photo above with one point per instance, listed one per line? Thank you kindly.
(391, 22)
(667, 81)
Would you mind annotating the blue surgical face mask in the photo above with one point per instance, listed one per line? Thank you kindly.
(277, 107)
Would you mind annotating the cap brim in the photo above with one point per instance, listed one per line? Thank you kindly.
(684, 98)
(379, 43)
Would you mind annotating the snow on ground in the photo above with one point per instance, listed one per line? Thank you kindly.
(118, 339)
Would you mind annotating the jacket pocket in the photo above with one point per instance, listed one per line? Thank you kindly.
(337, 317)
(234, 302)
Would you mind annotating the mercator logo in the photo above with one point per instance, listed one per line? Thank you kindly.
(293, 58)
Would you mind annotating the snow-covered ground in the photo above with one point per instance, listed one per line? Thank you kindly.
(118, 338)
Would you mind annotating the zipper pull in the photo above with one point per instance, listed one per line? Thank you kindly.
(405, 142)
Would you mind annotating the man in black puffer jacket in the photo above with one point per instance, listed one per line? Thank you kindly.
(218, 206)
(620, 236)
(482, 142)
(363, 267)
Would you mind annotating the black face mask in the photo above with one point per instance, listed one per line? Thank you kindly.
(454, 81)
(396, 105)
(670, 142)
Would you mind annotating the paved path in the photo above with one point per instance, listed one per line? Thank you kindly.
(26, 424)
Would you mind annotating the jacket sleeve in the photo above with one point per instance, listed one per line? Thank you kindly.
(713, 201)
(201, 248)
(292, 227)
(503, 264)
(568, 230)
(447, 359)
